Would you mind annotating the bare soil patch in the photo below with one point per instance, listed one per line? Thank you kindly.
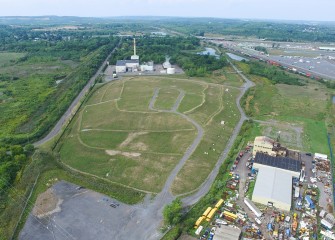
(126, 154)
(131, 137)
(46, 204)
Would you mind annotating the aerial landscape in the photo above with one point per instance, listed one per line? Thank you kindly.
(140, 120)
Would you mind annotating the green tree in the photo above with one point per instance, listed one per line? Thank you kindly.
(29, 148)
(172, 212)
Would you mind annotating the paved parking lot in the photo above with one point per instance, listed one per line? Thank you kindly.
(85, 215)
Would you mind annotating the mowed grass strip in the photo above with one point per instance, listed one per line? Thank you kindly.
(166, 98)
(103, 139)
(162, 142)
(107, 116)
(156, 142)
(146, 172)
(113, 91)
(190, 102)
(136, 95)
(97, 94)
(211, 105)
(198, 167)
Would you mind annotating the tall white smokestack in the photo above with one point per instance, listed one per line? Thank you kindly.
(134, 47)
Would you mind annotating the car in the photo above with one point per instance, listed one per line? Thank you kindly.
(112, 205)
(206, 233)
(308, 154)
(79, 188)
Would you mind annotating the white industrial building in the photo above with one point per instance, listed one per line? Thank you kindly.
(131, 65)
(274, 180)
(123, 66)
(149, 66)
(227, 233)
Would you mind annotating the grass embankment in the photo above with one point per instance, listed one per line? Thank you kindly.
(303, 106)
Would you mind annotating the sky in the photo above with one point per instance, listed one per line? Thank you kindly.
(315, 10)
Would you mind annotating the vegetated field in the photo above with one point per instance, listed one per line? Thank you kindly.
(8, 57)
(38, 84)
(291, 107)
(220, 107)
(117, 137)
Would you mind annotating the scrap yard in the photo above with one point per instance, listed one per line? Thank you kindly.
(274, 193)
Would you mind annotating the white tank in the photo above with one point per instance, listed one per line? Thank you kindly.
(171, 71)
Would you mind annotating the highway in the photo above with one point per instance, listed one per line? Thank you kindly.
(72, 108)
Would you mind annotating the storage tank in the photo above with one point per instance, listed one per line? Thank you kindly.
(171, 71)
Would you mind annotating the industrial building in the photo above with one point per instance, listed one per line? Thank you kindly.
(269, 146)
(274, 180)
(123, 66)
(133, 65)
(149, 66)
(285, 164)
(227, 233)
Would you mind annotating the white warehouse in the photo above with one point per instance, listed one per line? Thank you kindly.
(274, 180)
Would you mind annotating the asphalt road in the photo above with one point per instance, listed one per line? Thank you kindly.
(71, 110)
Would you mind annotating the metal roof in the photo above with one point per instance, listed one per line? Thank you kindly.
(278, 162)
(227, 233)
(123, 62)
(274, 185)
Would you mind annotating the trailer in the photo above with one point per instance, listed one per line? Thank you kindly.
(252, 207)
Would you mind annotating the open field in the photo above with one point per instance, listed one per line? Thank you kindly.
(115, 136)
(305, 107)
(7, 57)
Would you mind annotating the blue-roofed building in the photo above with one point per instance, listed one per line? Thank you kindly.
(309, 202)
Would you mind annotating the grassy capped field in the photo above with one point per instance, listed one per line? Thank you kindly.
(117, 137)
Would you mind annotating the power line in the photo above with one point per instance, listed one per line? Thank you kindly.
(66, 234)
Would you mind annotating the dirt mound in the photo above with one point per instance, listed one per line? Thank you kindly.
(46, 204)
